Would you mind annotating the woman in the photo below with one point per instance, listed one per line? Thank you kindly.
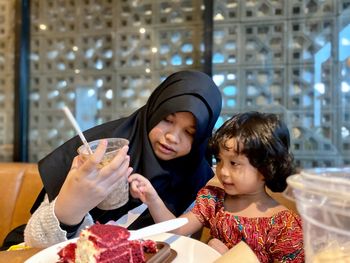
(176, 178)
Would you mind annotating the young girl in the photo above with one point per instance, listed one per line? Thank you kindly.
(252, 152)
(168, 138)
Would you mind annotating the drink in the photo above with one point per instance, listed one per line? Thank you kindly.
(113, 146)
(322, 196)
(335, 252)
(120, 194)
(118, 197)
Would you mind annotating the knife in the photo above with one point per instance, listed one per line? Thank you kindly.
(157, 228)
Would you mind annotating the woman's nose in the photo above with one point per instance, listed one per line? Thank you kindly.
(172, 136)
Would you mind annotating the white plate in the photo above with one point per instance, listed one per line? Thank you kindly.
(188, 250)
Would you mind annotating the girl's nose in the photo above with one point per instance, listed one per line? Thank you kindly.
(222, 170)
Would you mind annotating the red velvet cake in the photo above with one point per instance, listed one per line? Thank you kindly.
(105, 244)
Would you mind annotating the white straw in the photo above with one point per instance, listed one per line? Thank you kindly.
(76, 127)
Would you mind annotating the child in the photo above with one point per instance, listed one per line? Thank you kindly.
(168, 137)
(252, 152)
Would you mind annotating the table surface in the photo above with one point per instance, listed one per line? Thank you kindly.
(19, 256)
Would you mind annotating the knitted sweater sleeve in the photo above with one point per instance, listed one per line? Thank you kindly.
(43, 228)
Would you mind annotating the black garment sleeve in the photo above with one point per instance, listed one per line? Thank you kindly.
(38, 201)
(71, 229)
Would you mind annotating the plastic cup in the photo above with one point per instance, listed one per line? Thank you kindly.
(322, 197)
(120, 194)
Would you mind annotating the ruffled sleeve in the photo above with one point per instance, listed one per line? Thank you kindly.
(207, 203)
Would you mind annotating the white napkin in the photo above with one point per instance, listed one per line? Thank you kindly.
(130, 217)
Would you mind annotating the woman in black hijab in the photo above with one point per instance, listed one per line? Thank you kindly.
(177, 180)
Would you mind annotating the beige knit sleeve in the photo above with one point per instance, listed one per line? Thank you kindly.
(43, 228)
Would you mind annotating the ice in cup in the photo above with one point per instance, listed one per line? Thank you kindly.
(120, 195)
(113, 146)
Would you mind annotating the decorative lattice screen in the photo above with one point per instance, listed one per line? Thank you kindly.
(104, 58)
(7, 44)
(284, 57)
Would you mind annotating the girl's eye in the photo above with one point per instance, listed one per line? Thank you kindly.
(233, 163)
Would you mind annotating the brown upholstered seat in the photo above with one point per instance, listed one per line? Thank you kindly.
(20, 184)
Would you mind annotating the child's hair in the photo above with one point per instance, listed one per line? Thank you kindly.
(264, 140)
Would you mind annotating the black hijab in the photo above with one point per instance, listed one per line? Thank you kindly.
(177, 181)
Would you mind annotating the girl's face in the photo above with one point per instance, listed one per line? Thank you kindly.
(236, 173)
(172, 137)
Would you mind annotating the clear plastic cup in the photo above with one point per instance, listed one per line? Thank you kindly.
(120, 194)
(322, 197)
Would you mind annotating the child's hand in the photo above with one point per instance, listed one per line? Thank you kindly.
(218, 245)
(141, 187)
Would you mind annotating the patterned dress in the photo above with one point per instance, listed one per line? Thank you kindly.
(278, 237)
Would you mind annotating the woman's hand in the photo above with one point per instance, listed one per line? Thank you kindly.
(87, 185)
(218, 245)
(141, 187)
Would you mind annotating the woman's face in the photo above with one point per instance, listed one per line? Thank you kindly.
(173, 136)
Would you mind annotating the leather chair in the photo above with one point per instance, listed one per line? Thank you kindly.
(20, 185)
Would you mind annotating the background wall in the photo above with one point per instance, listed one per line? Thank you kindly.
(103, 59)
(7, 51)
(291, 57)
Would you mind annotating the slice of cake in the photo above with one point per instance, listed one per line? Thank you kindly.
(106, 243)
(67, 254)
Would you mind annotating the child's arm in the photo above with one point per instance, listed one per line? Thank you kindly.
(140, 187)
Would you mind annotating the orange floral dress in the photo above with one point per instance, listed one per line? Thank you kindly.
(278, 237)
